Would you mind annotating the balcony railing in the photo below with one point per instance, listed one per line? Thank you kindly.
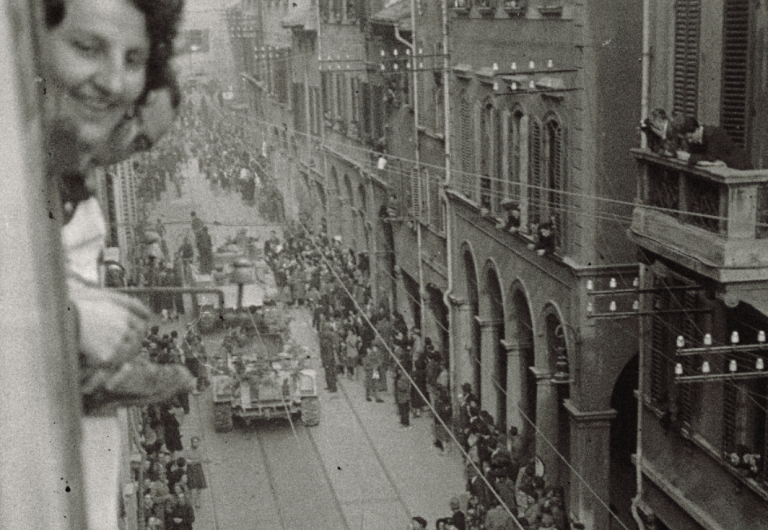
(718, 216)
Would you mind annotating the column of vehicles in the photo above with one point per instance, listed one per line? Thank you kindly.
(259, 372)
(248, 283)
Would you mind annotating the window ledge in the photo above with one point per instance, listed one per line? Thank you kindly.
(486, 12)
(700, 442)
(551, 11)
(752, 484)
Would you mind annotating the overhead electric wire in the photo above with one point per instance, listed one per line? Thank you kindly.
(412, 382)
(477, 177)
(407, 374)
(426, 400)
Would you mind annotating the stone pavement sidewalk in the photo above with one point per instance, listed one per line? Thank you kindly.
(417, 479)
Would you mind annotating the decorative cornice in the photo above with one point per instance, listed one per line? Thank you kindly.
(488, 322)
(591, 416)
(540, 374)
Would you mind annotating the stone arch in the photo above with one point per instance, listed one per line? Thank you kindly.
(469, 327)
(623, 440)
(554, 421)
(493, 359)
(521, 381)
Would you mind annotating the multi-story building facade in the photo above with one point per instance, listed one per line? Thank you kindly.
(543, 108)
(544, 98)
(703, 263)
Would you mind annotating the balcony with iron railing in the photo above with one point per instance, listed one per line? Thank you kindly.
(713, 220)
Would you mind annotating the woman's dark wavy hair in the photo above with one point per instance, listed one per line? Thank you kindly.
(163, 19)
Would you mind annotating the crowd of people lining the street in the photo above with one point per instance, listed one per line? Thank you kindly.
(171, 477)
(506, 487)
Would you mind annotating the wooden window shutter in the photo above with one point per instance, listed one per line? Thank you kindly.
(686, 397)
(730, 413)
(557, 180)
(659, 392)
(534, 181)
(365, 102)
(467, 148)
(733, 108)
(515, 161)
(486, 160)
(686, 74)
(498, 171)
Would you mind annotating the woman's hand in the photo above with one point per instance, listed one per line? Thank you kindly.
(683, 155)
(112, 325)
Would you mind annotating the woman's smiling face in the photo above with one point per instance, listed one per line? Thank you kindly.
(96, 62)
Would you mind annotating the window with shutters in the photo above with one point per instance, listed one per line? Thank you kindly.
(414, 193)
(317, 121)
(680, 318)
(686, 72)
(535, 173)
(435, 205)
(365, 112)
(355, 104)
(281, 87)
(552, 194)
(377, 114)
(691, 330)
(326, 85)
(486, 155)
(497, 172)
(659, 363)
(733, 107)
(438, 93)
(467, 149)
(299, 118)
(341, 101)
(518, 143)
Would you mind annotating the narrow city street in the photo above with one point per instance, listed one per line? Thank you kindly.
(357, 469)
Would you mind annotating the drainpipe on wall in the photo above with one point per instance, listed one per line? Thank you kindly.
(415, 87)
(452, 352)
(640, 405)
(644, 97)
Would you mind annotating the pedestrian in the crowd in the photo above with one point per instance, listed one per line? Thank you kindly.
(328, 357)
(352, 356)
(372, 369)
(498, 518)
(443, 420)
(419, 389)
(181, 515)
(403, 397)
(177, 470)
(417, 523)
(195, 474)
(172, 430)
(457, 518)
(433, 371)
(478, 485)
(475, 513)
